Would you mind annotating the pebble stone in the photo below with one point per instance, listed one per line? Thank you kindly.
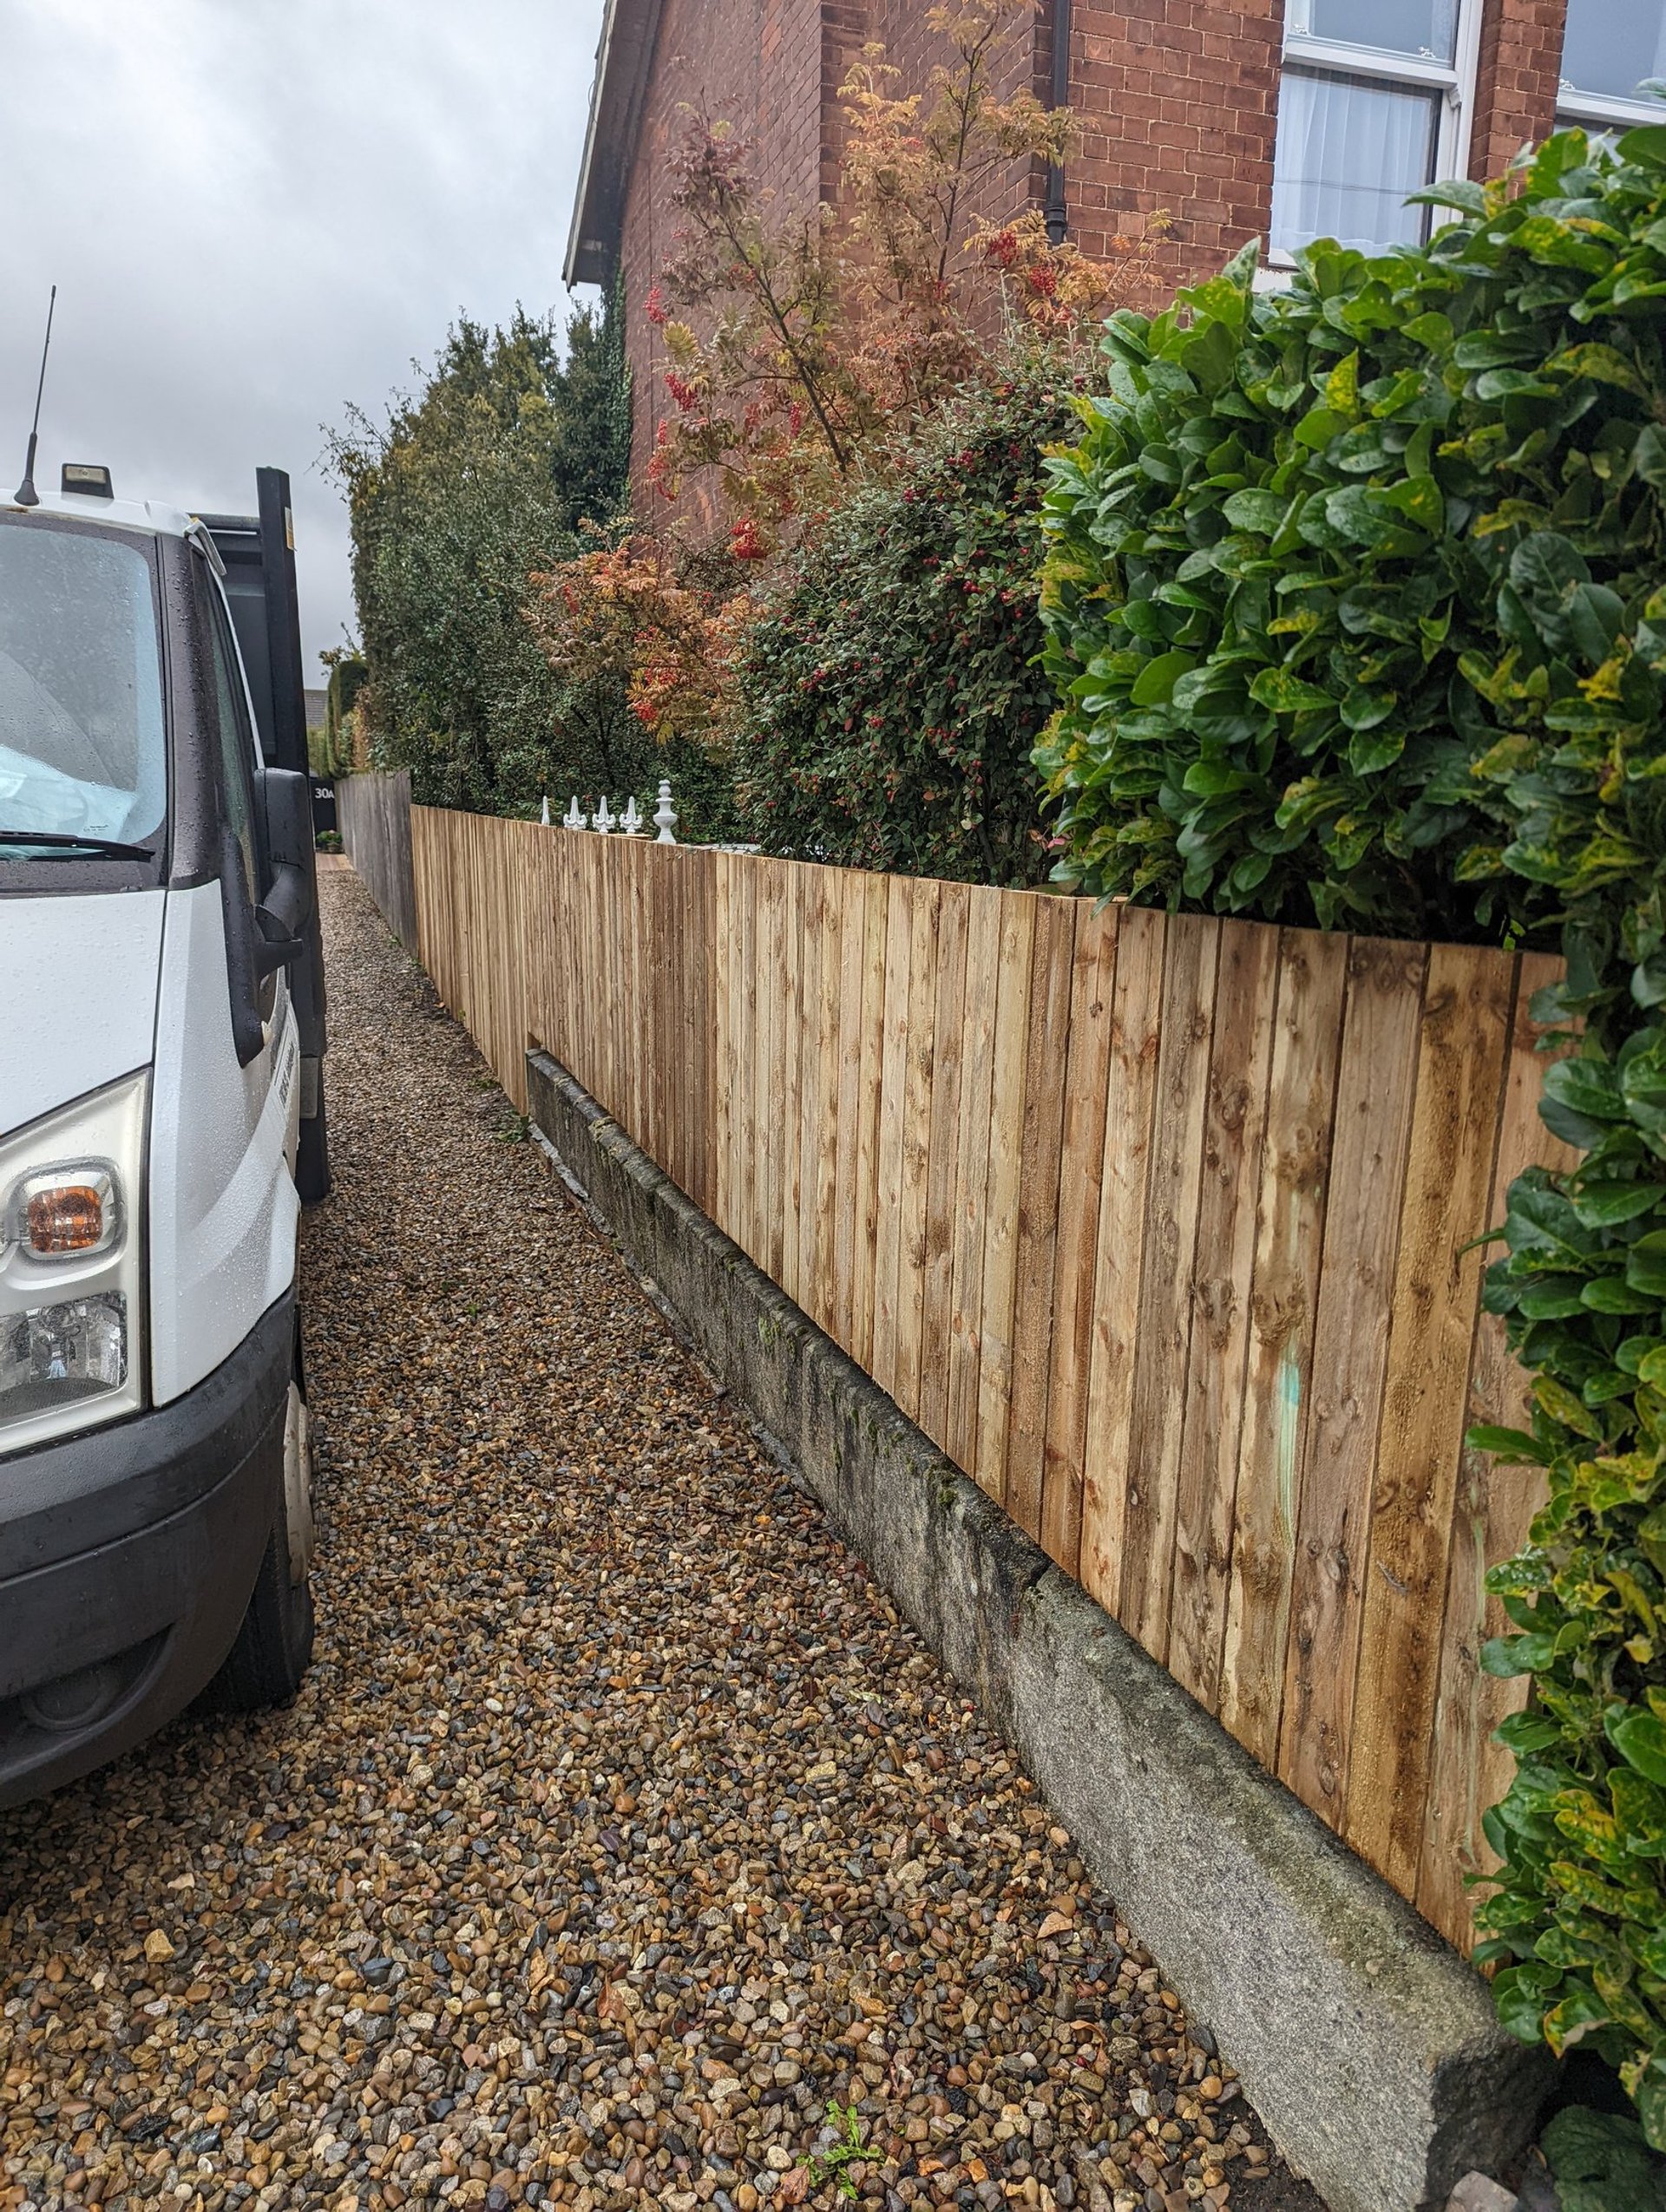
(622, 1827)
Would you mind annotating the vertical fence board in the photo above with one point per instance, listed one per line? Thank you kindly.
(1239, 1071)
(893, 1084)
(1081, 1162)
(851, 894)
(1119, 1252)
(1047, 1056)
(787, 1061)
(971, 1174)
(1467, 1008)
(751, 1167)
(924, 905)
(1372, 1124)
(948, 1038)
(831, 957)
(874, 918)
(722, 1099)
(1010, 1058)
(1163, 1339)
(1283, 1298)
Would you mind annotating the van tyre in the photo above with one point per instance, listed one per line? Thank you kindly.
(268, 1663)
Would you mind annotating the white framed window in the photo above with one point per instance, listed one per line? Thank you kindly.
(1373, 104)
(1610, 49)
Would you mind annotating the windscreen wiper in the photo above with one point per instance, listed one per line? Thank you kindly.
(69, 841)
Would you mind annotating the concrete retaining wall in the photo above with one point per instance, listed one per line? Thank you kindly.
(1369, 2048)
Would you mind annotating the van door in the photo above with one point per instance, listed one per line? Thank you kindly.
(223, 1208)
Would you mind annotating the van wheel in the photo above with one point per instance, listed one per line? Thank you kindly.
(268, 1662)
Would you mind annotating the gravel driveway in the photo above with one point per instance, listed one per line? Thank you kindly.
(622, 1831)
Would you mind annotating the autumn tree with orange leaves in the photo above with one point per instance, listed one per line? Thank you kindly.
(803, 348)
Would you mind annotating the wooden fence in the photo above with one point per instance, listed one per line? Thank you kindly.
(373, 813)
(1157, 1225)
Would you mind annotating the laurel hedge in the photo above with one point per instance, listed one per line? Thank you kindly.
(1355, 601)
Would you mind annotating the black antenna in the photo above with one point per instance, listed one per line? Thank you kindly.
(26, 495)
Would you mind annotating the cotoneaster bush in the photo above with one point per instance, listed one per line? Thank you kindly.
(890, 694)
(1356, 598)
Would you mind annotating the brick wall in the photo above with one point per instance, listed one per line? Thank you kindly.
(759, 65)
(1516, 81)
(1178, 102)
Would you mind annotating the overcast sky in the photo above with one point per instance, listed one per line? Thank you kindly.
(256, 211)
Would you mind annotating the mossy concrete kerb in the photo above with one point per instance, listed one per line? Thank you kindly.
(1367, 2046)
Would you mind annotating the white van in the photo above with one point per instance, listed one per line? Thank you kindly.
(161, 1118)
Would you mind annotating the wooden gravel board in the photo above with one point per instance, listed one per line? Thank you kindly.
(1081, 1162)
(1164, 1337)
(972, 1138)
(1461, 1048)
(948, 1038)
(1283, 1297)
(1374, 1090)
(1010, 1059)
(1235, 1121)
(1119, 1250)
(1046, 1059)
(1492, 1513)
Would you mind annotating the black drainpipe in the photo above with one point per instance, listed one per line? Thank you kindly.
(1058, 213)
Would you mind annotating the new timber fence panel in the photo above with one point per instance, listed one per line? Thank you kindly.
(1154, 1224)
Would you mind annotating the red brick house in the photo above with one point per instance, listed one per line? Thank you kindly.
(1282, 119)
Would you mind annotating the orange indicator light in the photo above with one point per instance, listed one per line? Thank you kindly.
(69, 1217)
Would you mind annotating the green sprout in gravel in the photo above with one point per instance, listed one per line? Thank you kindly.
(829, 2165)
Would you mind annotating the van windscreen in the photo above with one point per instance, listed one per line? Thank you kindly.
(83, 751)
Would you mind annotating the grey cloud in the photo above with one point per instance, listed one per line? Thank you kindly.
(257, 211)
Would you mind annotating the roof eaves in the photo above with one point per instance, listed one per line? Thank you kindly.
(623, 59)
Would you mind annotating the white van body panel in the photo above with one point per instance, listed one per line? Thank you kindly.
(77, 998)
(223, 1205)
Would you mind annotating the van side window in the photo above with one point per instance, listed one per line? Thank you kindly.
(236, 745)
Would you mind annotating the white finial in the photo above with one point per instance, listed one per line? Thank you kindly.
(544, 817)
(631, 821)
(603, 817)
(664, 814)
(574, 818)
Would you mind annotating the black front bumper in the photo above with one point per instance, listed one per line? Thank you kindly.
(132, 1550)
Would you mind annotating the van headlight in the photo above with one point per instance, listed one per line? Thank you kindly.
(71, 1280)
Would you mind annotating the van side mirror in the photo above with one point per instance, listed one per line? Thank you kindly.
(285, 795)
